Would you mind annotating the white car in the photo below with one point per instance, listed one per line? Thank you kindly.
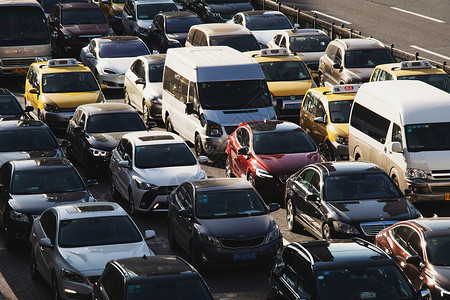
(71, 244)
(110, 57)
(143, 85)
(264, 24)
(147, 166)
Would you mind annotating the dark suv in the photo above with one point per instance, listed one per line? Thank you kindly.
(160, 277)
(339, 270)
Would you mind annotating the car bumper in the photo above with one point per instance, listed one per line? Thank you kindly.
(112, 81)
(74, 290)
(429, 190)
(152, 200)
(57, 120)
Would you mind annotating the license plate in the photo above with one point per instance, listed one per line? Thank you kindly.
(244, 256)
(293, 106)
(447, 196)
(19, 70)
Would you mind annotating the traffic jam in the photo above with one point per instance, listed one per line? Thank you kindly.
(333, 134)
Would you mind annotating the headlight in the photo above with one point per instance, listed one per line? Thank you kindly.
(109, 71)
(201, 175)
(18, 216)
(344, 227)
(213, 14)
(51, 108)
(98, 152)
(262, 173)
(145, 185)
(213, 129)
(273, 235)
(156, 100)
(71, 276)
(415, 174)
(442, 292)
(210, 240)
(341, 140)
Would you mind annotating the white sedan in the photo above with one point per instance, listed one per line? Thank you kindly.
(110, 57)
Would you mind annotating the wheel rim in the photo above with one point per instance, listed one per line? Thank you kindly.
(55, 289)
(228, 168)
(145, 113)
(131, 200)
(250, 179)
(326, 232)
(198, 147)
(290, 215)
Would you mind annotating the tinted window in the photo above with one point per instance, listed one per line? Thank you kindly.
(370, 123)
(181, 25)
(401, 235)
(48, 223)
(115, 122)
(63, 82)
(149, 11)
(315, 43)
(240, 42)
(438, 250)
(123, 49)
(368, 58)
(113, 284)
(340, 111)
(164, 155)
(23, 25)
(441, 81)
(27, 140)
(285, 70)
(10, 106)
(267, 22)
(428, 137)
(294, 141)
(82, 16)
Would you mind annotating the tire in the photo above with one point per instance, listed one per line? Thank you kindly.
(8, 239)
(55, 288)
(114, 191)
(145, 113)
(126, 97)
(329, 153)
(131, 207)
(199, 146)
(169, 125)
(88, 168)
(290, 216)
(326, 232)
(321, 80)
(172, 243)
(250, 179)
(228, 171)
(195, 258)
(35, 275)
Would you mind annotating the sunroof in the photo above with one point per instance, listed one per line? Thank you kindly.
(155, 138)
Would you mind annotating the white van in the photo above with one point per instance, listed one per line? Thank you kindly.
(404, 127)
(209, 91)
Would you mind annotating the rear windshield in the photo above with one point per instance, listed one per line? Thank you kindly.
(441, 81)
(27, 140)
(368, 58)
(239, 42)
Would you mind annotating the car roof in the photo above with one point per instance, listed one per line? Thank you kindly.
(305, 32)
(116, 38)
(89, 210)
(75, 5)
(21, 124)
(341, 253)
(43, 68)
(151, 266)
(142, 138)
(432, 226)
(326, 93)
(220, 184)
(395, 69)
(4, 91)
(256, 55)
(262, 12)
(106, 107)
(347, 167)
(222, 29)
(272, 125)
(359, 44)
(40, 162)
(152, 1)
(153, 59)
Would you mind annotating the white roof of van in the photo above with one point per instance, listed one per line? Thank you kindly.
(417, 101)
(218, 29)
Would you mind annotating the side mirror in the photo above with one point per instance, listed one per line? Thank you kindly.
(29, 108)
(91, 183)
(189, 108)
(243, 151)
(312, 198)
(296, 26)
(274, 207)
(45, 242)
(124, 164)
(184, 213)
(89, 55)
(319, 120)
(64, 143)
(424, 294)
(151, 124)
(408, 192)
(416, 261)
(149, 234)
(33, 91)
(396, 147)
(203, 159)
(140, 81)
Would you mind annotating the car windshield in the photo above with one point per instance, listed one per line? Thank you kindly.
(168, 287)
(149, 11)
(359, 187)
(340, 111)
(64, 82)
(182, 24)
(294, 141)
(241, 94)
(82, 16)
(313, 43)
(229, 204)
(29, 139)
(428, 137)
(45, 181)
(97, 231)
(285, 71)
(367, 58)
(123, 49)
(438, 250)
(244, 42)
(164, 155)
(357, 283)
(267, 22)
(10, 106)
(155, 72)
(114, 122)
(441, 81)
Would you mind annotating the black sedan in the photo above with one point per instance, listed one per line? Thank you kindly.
(222, 222)
(29, 186)
(10, 108)
(345, 199)
(170, 29)
(96, 129)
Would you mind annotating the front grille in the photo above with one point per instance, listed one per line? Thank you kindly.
(17, 62)
(440, 174)
(246, 243)
(230, 129)
(93, 279)
(150, 196)
(372, 228)
(313, 66)
(440, 189)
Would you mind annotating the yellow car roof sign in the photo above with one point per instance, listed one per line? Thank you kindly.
(274, 52)
(345, 88)
(62, 62)
(415, 64)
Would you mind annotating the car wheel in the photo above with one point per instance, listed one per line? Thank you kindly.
(395, 178)
(199, 146)
(329, 154)
(8, 240)
(55, 288)
(169, 125)
(145, 112)
(228, 171)
(114, 191)
(40, 116)
(172, 243)
(195, 258)
(35, 275)
(290, 216)
(250, 179)
(322, 80)
(127, 97)
(326, 232)
(131, 207)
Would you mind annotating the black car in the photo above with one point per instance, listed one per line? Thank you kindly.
(29, 186)
(217, 11)
(10, 108)
(345, 199)
(96, 129)
(222, 222)
(338, 270)
(28, 138)
(170, 29)
(163, 277)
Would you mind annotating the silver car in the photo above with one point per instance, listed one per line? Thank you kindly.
(71, 244)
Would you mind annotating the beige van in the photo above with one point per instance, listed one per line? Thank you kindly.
(219, 34)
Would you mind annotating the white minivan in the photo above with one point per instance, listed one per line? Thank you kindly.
(404, 127)
(208, 92)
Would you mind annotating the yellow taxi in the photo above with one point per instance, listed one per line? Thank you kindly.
(287, 77)
(324, 116)
(55, 88)
(113, 9)
(413, 70)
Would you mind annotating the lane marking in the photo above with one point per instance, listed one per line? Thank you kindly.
(331, 17)
(418, 15)
(430, 52)
(6, 290)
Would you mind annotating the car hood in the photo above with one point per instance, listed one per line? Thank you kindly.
(179, 36)
(105, 141)
(229, 7)
(82, 29)
(429, 160)
(118, 64)
(310, 57)
(442, 276)
(170, 176)
(288, 88)
(372, 210)
(360, 74)
(234, 117)
(7, 156)
(287, 164)
(144, 23)
(35, 204)
(237, 228)
(265, 35)
(92, 260)
(72, 100)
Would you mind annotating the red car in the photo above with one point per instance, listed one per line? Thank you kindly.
(421, 247)
(267, 152)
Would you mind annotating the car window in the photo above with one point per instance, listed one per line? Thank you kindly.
(114, 122)
(243, 137)
(415, 245)
(401, 235)
(113, 284)
(128, 151)
(310, 181)
(48, 224)
(397, 134)
(5, 175)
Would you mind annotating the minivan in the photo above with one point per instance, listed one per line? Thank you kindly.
(209, 91)
(403, 127)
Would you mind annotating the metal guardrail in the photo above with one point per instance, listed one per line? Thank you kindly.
(334, 31)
